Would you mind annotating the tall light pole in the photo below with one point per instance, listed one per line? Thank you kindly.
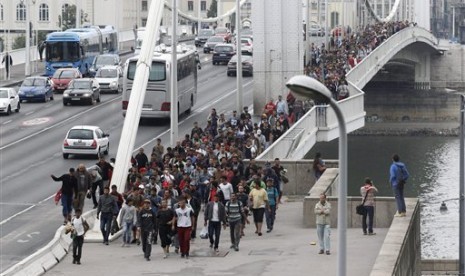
(239, 94)
(309, 87)
(453, 22)
(326, 25)
(78, 13)
(199, 23)
(27, 65)
(462, 189)
(174, 74)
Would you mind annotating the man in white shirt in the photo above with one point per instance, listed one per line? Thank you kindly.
(226, 188)
(80, 227)
(184, 215)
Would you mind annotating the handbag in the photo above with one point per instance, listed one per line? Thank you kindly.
(58, 196)
(204, 233)
(360, 209)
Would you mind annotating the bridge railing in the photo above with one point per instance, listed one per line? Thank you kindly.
(361, 74)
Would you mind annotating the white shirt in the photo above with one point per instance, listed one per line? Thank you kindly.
(227, 190)
(215, 216)
(78, 227)
(184, 217)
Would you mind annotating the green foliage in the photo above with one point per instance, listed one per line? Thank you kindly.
(19, 42)
(42, 35)
(67, 20)
(211, 12)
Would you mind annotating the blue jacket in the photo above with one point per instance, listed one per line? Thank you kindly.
(397, 172)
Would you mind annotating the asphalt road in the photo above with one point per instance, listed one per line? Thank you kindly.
(30, 150)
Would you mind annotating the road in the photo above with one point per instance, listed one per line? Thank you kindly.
(30, 150)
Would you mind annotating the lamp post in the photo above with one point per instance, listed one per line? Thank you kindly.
(174, 72)
(239, 94)
(27, 65)
(462, 190)
(309, 87)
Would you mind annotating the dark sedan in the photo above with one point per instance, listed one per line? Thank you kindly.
(223, 53)
(36, 89)
(247, 66)
(82, 90)
(212, 42)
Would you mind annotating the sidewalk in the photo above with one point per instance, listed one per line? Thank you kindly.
(285, 251)
(17, 73)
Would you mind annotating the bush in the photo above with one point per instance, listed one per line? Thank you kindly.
(19, 42)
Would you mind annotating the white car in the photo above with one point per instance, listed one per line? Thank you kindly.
(9, 100)
(246, 46)
(110, 79)
(86, 140)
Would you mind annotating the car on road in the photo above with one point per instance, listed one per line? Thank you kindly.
(86, 140)
(222, 53)
(110, 79)
(35, 89)
(82, 90)
(246, 46)
(203, 36)
(247, 66)
(223, 32)
(212, 42)
(103, 60)
(9, 100)
(62, 77)
(315, 30)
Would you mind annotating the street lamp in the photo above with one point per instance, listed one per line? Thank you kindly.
(311, 88)
(462, 189)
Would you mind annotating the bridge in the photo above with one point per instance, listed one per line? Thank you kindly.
(412, 45)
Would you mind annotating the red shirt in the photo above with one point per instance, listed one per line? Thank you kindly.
(269, 107)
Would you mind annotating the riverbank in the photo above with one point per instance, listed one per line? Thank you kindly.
(450, 129)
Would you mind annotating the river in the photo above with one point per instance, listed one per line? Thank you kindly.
(433, 163)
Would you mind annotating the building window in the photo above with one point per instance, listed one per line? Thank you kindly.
(190, 5)
(21, 12)
(334, 19)
(1, 12)
(203, 5)
(144, 5)
(43, 12)
(143, 22)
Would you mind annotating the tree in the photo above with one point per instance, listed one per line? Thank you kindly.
(212, 11)
(67, 20)
(19, 42)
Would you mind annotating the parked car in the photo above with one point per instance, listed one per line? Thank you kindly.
(247, 66)
(35, 89)
(222, 53)
(203, 36)
(110, 79)
(9, 100)
(315, 30)
(62, 77)
(246, 46)
(247, 33)
(85, 140)
(82, 90)
(103, 60)
(212, 42)
(223, 32)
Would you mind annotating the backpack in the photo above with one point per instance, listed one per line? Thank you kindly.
(401, 175)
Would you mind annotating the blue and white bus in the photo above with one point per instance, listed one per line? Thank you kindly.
(77, 48)
(157, 102)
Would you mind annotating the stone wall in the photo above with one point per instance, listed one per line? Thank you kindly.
(439, 267)
(448, 70)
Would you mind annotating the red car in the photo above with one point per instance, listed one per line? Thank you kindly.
(224, 32)
(62, 78)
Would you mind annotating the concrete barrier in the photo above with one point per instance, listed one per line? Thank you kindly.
(52, 253)
(439, 267)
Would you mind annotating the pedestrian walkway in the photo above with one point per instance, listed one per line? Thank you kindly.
(17, 73)
(285, 251)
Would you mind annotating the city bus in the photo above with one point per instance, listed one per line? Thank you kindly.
(77, 48)
(157, 102)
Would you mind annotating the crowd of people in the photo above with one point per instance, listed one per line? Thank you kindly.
(330, 64)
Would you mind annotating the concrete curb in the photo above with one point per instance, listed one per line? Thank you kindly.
(52, 253)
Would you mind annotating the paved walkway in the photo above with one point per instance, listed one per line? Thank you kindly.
(285, 251)
(17, 73)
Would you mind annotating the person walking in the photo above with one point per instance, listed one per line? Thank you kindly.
(398, 176)
(323, 221)
(68, 189)
(368, 191)
(165, 219)
(8, 63)
(80, 228)
(215, 214)
(145, 225)
(108, 207)
(184, 217)
(273, 201)
(128, 218)
(259, 199)
(319, 166)
(84, 182)
(97, 182)
(235, 215)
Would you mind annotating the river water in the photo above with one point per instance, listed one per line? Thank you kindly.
(433, 163)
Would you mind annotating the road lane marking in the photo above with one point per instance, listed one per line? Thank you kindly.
(36, 121)
(58, 124)
(7, 122)
(25, 210)
(29, 113)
